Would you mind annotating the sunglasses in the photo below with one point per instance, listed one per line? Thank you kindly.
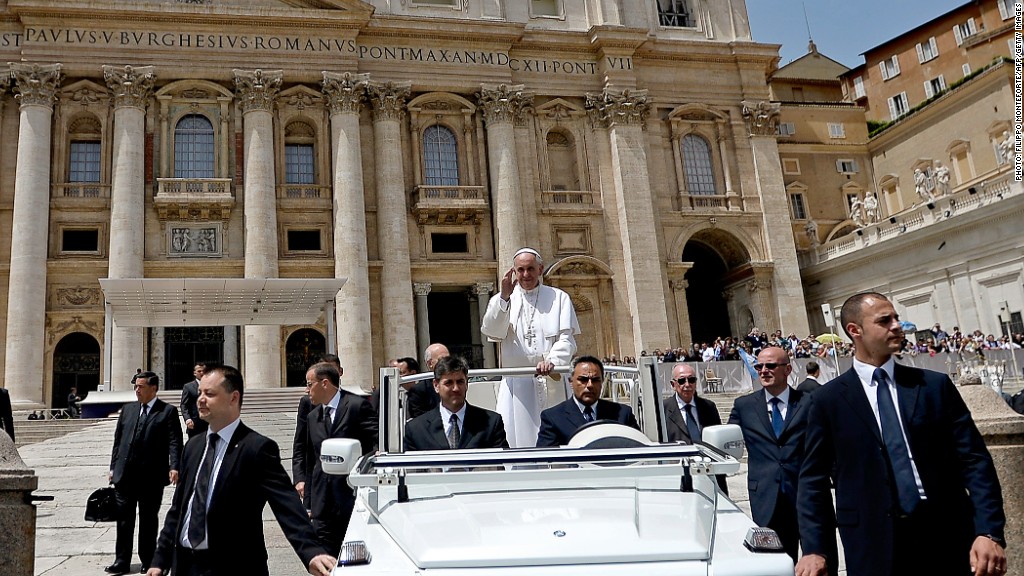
(586, 379)
(768, 365)
(683, 379)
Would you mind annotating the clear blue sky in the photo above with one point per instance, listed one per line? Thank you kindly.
(841, 29)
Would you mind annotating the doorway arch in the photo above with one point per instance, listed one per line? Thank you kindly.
(718, 260)
(303, 348)
(76, 363)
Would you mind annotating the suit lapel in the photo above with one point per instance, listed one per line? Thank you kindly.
(791, 411)
(228, 464)
(908, 386)
(761, 407)
(436, 428)
(675, 416)
(854, 394)
(572, 412)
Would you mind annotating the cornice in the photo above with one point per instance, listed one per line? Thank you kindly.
(449, 29)
(618, 37)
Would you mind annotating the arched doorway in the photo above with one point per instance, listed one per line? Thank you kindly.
(76, 362)
(304, 348)
(718, 259)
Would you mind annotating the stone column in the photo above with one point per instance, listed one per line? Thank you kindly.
(422, 289)
(762, 120)
(131, 89)
(678, 288)
(230, 350)
(624, 115)
(392, 218)
(256, 92)
(502, 106)
(36, 87)
(483, 292)
(761, 301)
(344, 94)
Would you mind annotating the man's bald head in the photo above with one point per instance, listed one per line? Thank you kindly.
(433, 353)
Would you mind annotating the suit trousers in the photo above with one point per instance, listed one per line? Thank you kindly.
(331, 533)
(914, 545)
(147, 500)
(784, 523)
(190, 562)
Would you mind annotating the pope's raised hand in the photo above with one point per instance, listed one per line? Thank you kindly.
(508, 282)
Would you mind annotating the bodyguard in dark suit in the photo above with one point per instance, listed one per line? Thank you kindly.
(560, 422)
(916, 489)
(810, 384)
(336, 414)
(686, 414)
(773, 420)
(454, 424)
(302, 466)
(194, 425)
(215, 524)
(6, 413)
(145, 458)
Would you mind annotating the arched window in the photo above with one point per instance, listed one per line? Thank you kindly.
(700, 174)
(440, 157)
(193, 147)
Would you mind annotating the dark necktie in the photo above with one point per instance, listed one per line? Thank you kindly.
(454, 436)
(134, 454)
(200, 496)
(895, 445)
(327, 418)
(777, 422)
(691, 424)
(588, 414)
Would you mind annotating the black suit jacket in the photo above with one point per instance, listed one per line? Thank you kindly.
(772, 464)
(330, 496)
(809, 385)
(421, 398)
(955, 467)
(707, 415)
(190, 409)
(302, 467)
(560, 422)
(250, 476)
(482, 429)
(6, 413)
(145, 458)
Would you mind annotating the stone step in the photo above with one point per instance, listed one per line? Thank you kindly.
(33, 431)
(256, 400)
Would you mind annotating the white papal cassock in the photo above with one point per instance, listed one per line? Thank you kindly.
(534, 325)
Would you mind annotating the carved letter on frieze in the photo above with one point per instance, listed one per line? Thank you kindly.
(36, 85)
(612, 107)
(388, 99)
(762, 118)
(504, 103)
(130, 86)
(256, 90)
(344, 92)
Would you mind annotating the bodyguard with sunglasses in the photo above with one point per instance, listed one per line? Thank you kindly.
(773, 420)
(560, 422)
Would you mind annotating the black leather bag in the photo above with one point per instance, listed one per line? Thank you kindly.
(102, 506)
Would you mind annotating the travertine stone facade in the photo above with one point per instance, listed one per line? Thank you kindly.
(400, 145)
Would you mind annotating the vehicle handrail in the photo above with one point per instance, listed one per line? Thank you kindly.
(523, 371)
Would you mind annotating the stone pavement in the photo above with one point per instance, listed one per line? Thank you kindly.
(72, 466)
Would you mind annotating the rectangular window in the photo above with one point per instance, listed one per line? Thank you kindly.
(967, 67)
(858, 87)
(1006, 9)
(445, 243)
(836, 130)
(890, 67)
(304, 241)
(964, 31)
(934, 86)
(675, 14)
(1014, 326)
(791, 166)
(786, 129)
(80, 240)
(85, 162)
(796, 204)
(927, 50)
(846, 166)
(541, 8)
(898, 105)
(298, 164)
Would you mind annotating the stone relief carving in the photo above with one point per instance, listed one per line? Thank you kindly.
(504, 103)
(811, 229)
(301, 100)
(78, 296)
(613, 107)
(388, 99)
(186, 241)
(131, 86)
(942, 185)
(75, 324)
(857, 212)
(870, 208)
(679, 285)
(195, 94)
(759, 284)
(344, 92)
(762, 118)
(257, 89)
(85, 97)
(36, 84)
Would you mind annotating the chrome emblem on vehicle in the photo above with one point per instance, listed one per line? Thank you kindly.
(559, 533)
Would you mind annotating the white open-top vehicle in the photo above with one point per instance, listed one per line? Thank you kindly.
(613, 501)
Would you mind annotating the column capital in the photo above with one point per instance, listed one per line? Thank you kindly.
(504, 104)
(388, 99)
(613, 107)
(257, 89)
(679, 285)
(130, 86)
(762, 117)
(36, 84)
(421, 288)
(344, 92)
(483, 288)
(727, 295)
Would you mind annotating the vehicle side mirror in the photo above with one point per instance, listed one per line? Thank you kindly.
(338, 456)
(726, 437)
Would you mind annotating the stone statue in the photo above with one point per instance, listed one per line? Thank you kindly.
(1006, 148)
(870, 208)
(857, 212)
(811, 229)
(941, 179)
(921, 185)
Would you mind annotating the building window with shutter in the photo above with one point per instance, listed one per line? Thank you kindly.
(934, 86)
(858, 87)
(890, 67)
(786, 129)
(1006, 9)
(927, 50)
(963, 31)
(898, 106)
(846, 166)
(836, 130)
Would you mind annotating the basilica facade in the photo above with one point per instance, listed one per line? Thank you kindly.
(409, 147)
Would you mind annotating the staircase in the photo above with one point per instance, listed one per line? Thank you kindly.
(33, 431)
(257, 400)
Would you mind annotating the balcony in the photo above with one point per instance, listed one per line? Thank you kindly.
(81, 190)
(300, 191)
(570, 202)
(711, 202)
(449, 204)
(201, 199)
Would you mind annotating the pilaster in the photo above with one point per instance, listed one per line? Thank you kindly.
(422, 290)
(483, 291)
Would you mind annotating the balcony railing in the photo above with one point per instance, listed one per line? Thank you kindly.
(581, 198)
(303, 191)
(181, 199)
(200, 186)
(81, 190)
(712, 202)
(449, 204)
